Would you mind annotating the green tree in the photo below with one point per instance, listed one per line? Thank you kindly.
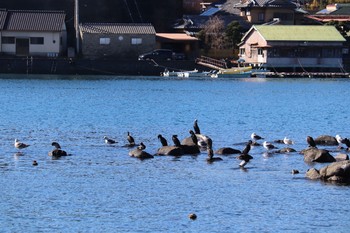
(233, 33)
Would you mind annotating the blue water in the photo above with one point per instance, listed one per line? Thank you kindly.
(99, 188)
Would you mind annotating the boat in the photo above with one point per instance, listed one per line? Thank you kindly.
(223, 71)
(236, 70)
(188, 73)
(182, 73)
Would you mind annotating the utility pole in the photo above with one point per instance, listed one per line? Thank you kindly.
(76, 25)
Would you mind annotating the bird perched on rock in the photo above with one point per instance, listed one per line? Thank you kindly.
(20, 145)
(176, 140)
(255, 137)
(268, 145)
(244, 156)
(194, 137)
(57, 152)
(130, 140)
(108, 140)
(339, 139)
(208, 142)
(287, 141)
(140, 153)
(347, 143)
(196, 127)
(245, 159)
(162, 140)
(247, 147)
(141, 146)
(310, 141)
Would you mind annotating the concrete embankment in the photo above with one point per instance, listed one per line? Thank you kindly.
(67, 66)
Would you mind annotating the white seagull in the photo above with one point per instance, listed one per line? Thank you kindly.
(255, 137)
(108, 140)
(340, 140)
(268, 146)
(287, 141)
(20, 145)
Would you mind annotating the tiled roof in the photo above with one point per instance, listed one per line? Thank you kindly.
(117, 28)
(264, 3)
(299, 33)
(229, 7)
(3, 14)
(35, 20)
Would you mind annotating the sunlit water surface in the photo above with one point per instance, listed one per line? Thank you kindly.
(99, 188)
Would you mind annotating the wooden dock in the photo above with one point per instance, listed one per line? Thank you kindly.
(269, 74)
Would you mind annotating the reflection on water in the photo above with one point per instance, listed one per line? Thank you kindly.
(100, 188)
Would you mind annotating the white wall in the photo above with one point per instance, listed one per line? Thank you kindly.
(43, 50)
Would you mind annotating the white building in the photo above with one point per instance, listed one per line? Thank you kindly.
(33, 33)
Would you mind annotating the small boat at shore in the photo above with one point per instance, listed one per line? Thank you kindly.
(235, 72)
(188, 73)
(226, 69)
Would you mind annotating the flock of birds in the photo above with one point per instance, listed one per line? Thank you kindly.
(199, 141)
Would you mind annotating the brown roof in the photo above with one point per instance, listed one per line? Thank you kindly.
(117, 28)
(176, 36)
(35, 20)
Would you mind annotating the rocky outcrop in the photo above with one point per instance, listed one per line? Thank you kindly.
(140, 154)
(285, 150)
(170, 150)
(317, 155)
(334, 172)
(341, 157)
(191, 150)
(313, 174)
(187, 141)
(227, 151)
(326, 140)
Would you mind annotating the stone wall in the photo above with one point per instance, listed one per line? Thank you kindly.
(119, 45)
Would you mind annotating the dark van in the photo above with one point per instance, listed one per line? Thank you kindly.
(158, 54)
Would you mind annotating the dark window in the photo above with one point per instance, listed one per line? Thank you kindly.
(261, 16)
(242, 51)
(283, 16)
(37, 40)
(8, 40)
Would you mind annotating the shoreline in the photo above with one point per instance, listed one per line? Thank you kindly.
(66, 66)
(126, 67)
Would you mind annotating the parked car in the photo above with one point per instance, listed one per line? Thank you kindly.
(158, 54)
(178, 56)
(162, 54)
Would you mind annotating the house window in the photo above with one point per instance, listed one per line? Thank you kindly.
(345, 51)
(242, 51)
(105, 41)
(328, 52)
(247, 12)
(136, 41)
(261, 16)
(36, 40)
(8, 40)
(260, 51)
(283, 16)
(275, 52)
